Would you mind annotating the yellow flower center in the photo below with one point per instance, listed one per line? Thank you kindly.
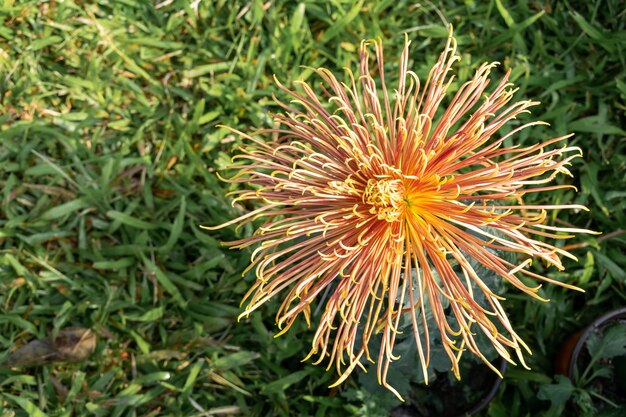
(386, 196)
(423, 197)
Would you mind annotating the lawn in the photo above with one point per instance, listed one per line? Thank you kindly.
(110, 145)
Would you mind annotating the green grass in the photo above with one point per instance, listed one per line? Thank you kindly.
(108, 151)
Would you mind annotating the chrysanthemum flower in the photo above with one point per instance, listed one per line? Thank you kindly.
(373, 200)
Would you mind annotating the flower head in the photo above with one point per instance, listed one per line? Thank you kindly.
(373, 200)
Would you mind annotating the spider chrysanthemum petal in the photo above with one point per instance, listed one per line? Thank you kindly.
(371, 196)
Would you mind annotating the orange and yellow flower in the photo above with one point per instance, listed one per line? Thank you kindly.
(373, 200)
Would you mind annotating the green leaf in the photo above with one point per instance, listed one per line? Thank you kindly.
(523, 374)
(115, 265)
(280, 385)
(208, 117)
(588, 269)
(593, 124)
(207, 69)
(508, 19)
(433, 31)
(621, 86)
(65, 209)
(338, 26)
(611, 343)
(612, 268)
(143, 345)
(152, 378)
(593, 32)
(149, 316)
(26, 405)
(297, 19)
(191, 378)
(558, 394)
(77, 386)
(234, 360)
(177, 227)
(164, 281)
(131, 221)
(589, 185)
(47, 41)
(19, 322)
(156, 43)
(528, 22)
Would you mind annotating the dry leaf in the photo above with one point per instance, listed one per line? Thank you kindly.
(70, 345)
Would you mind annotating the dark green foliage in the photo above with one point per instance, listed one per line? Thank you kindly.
(109, 144)
(600, 366)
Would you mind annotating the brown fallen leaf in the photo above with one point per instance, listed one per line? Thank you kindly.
(70, 345)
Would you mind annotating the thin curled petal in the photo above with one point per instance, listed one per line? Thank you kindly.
(368, 196)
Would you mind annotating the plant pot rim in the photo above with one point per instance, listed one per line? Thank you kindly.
(502, 365)
(492, 391)
(595, 325)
